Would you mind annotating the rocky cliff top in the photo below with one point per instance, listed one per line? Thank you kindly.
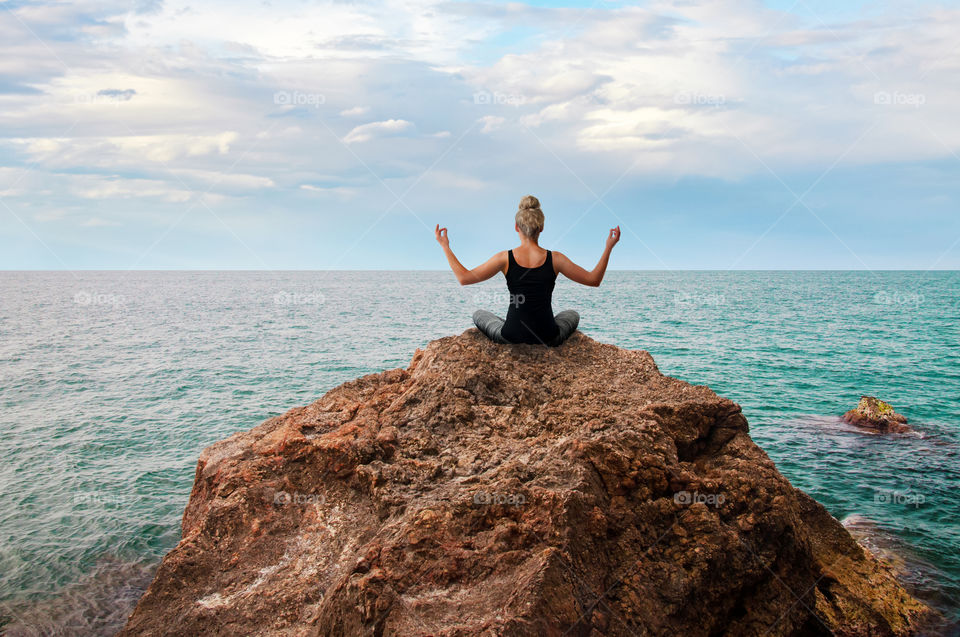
(512, 490)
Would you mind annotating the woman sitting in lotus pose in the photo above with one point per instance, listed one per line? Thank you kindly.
(531, 272)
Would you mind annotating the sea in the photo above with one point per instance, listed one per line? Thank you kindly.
(111, 383)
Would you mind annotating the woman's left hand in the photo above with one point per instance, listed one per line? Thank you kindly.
(613, 237)
(442, 238)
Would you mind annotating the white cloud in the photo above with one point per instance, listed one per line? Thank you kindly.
(95, 187)
(366, 132)
(123, 150)
(720, 83)
(356, 111)
(230, 180)
(330, 190)
(679, 88)
(291, 30)
(98, 222)
(491, 123)
(45, 216)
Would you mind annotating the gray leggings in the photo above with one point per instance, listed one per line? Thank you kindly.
(491, 324)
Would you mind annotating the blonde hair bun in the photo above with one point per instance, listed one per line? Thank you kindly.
(529, 216)
(529, 203)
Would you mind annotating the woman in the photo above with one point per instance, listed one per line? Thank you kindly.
(531, 272)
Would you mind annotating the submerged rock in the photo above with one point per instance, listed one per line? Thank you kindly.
(512, 490)
(875, 414)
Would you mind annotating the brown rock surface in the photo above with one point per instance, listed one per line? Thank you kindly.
(875, 414)
(512, 490)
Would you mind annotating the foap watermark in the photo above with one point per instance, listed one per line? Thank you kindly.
(299, 298)
(692, 497)
(899, 498)
(99, 498)
(898, 298)
(283, 498)
(694, 299)
(496, 98)
(896, 98)
(483, 498)
(298, 98)
(88, 298)
(693, 98)
(495, 298)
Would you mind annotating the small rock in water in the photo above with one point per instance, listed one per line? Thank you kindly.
(873, 413)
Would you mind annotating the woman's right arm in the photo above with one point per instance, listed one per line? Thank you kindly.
(482, 272)
(575, 273)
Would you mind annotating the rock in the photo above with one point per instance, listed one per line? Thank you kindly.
(877, 415)
(878, 543)
(512, 490)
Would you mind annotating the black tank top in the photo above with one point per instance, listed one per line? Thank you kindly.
(530, 315)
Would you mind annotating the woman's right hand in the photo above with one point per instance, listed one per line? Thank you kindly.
(442, 237)
(613, 237)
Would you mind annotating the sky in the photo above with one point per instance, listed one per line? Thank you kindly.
(788, 134)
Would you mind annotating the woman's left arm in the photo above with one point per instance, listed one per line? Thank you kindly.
(575, 273)
(494, 264)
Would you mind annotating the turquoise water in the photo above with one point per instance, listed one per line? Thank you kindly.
(111, 383)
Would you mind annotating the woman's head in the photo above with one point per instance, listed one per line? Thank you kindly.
(529, 217)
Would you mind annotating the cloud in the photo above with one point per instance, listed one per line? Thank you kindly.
(691, 81)
(98, 222)
(113, 152)
(366, 132)
(124, 95)
(491, 123)
(330, 190)
(168, 100)
(95, 187)
(222, 179)
(355, 111)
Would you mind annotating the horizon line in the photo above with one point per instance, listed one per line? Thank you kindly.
(248, 269)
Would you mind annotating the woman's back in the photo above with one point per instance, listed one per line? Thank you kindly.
(530, 314)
